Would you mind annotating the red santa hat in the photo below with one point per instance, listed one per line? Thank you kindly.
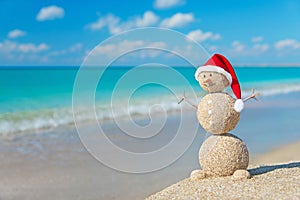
(220, 64)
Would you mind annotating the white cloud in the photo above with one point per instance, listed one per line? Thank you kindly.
(124, 46)
(32, 48)
(9, 47)
(75, 47)
(201, 36)
(212, 48)
(257, 39)
(145, 49)
(50, 13)
(259, 48)
(178, 20)
(287, 43)
(116, 49)
(20, 53)
(115, 25)
(238, 46)
(16, 33)
(148, 19)
(109, 20)
(57, 53)
(240, 49)
(163, 4)
(72, 49)
(152, 53)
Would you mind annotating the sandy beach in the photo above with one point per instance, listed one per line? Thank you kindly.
(269, 180)
(65, 170)
(54, 164)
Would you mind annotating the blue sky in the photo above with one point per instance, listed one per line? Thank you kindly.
(49, 32)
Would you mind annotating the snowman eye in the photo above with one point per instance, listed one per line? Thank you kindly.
(210, 75)
(204, 76)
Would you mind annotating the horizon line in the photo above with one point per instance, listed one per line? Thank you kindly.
(171, 65)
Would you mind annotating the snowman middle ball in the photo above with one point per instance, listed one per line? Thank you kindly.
(216, 113)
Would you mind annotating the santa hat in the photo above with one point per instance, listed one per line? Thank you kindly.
(220, 64)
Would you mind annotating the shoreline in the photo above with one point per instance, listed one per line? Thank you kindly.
(268, 101)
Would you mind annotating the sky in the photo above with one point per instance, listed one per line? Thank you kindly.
(62, 33)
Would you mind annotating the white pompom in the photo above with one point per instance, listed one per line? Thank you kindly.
(238, 105)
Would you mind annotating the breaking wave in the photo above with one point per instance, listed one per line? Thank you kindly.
(36, 120)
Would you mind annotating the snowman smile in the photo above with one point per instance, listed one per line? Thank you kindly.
(208, 84)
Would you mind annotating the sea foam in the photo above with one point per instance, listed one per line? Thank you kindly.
(37, 120)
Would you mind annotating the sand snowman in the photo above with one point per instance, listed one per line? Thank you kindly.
(222, 154)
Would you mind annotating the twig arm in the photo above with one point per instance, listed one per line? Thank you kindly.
(252, 96)
(184, 98)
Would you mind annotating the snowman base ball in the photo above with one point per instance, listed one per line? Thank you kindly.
(223, 155)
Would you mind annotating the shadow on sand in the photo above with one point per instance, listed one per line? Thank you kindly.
(266, 169)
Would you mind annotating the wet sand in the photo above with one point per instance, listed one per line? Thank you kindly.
(55, 165)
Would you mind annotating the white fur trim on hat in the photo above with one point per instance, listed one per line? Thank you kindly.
(238, 105)
(212, 68)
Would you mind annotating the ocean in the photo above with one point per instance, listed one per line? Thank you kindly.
(38, 98)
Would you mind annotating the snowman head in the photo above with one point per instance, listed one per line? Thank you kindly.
(216, 74)
(212, 81)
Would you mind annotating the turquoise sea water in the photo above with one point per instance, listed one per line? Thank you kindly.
(38, 98)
